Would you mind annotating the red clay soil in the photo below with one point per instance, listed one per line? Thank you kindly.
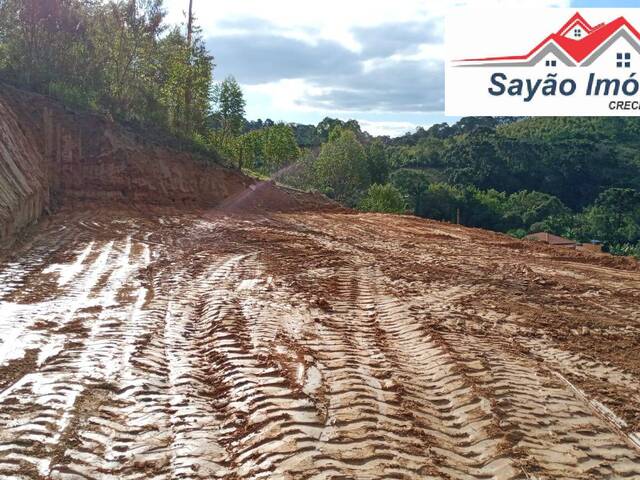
(209, 343)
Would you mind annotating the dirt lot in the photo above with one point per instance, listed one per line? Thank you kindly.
(176, 344)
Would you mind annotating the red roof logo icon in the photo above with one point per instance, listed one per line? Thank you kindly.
(577, 43)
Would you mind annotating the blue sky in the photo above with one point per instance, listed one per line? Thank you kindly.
(377, 61)
(604, 3)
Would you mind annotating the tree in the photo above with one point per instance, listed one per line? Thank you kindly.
(181, 67)
(266, 150)
(280, 147)
(301, 174)
(442, 201)
(486, 209)
(476, 160)
(528, 208)
(125, 37)
(116, 57)
(383, 198)
(328, 125)
(341, 168)
(188, 87)
(377, 162)
(614, 218)
(306, 135)
(412, 184)
(43, 41)
(230, 108)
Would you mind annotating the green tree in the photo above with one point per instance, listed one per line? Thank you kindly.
(442, 201)
(412, 184)
(614, 218)
(229, 109)
(247, 150)
(377, 162)
(266, 150)
(301, 174)
(383, 198)
(486, 209)
(329, 125)
(116, 57)
(565, 225)
(528, 208)
(341, 169)
(177, 63)
(124, 39)
(280, 147)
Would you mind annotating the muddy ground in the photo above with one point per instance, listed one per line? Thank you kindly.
(172, 344)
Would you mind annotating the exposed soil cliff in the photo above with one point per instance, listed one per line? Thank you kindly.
(24, 177)
(49, 155)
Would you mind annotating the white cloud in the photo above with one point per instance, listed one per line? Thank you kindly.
(357, 58)
(284, 96)
(329, 19)
(392, 129)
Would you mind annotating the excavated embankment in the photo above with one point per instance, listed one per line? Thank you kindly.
(24, 176)
(50, 155)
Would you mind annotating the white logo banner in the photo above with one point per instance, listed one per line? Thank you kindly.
(542, 62)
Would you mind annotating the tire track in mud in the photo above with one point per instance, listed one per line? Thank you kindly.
(38, 409)
(366, 431)
(204, 356)
(161, 420)
(556, 434)
(493, 447)
(609, 390)
(594, 462)
(394, 403)
(446, 408)
(268, 420)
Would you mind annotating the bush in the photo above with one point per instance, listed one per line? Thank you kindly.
(341, 168)
(73, 96)
(383, 198)
(626, 249)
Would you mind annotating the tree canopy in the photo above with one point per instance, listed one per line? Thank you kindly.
(341, 168)
(116, 57)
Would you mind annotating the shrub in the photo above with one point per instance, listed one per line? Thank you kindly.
(383, 198)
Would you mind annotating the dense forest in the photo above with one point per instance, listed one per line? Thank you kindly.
(576, 177)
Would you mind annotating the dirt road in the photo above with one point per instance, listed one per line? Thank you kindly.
(311, 345)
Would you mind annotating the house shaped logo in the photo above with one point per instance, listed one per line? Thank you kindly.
(576, 44)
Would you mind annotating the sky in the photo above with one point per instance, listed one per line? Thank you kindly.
(377, 61)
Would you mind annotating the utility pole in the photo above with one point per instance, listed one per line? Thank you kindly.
(187, 90)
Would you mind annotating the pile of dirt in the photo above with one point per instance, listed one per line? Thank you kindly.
(267, 196)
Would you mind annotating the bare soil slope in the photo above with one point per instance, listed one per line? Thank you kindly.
(50, 155)
(167, 343)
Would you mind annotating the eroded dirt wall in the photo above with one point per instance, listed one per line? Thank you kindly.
(49, 153)
(24, 178)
